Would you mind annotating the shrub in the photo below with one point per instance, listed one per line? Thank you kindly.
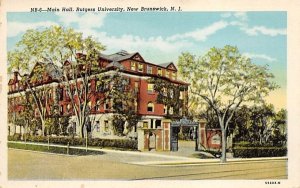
(53, 149)
(249, 152)
(111, 143)
(15, 137)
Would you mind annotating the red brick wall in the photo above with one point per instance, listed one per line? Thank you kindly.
(210, 134)
(146, 97)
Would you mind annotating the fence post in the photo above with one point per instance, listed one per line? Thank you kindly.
(68, 147)
(86, 142)
(25, 140)
(48, 142)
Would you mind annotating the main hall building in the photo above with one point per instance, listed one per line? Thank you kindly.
(136, 70)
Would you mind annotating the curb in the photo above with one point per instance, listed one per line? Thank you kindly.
(210, 162)
(178, 160)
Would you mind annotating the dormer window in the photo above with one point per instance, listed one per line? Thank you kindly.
(168, 74)
(132, 66)
(159, 71)
(141, 67)
(149, 69)
(174, 75)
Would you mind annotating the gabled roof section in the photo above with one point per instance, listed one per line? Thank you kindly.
(123, 55)
(49, 69)
(115, 64)
(169, 65)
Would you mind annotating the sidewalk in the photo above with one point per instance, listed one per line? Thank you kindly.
(182, 157)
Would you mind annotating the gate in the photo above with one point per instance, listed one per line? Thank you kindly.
(152, 141)
(175, 127)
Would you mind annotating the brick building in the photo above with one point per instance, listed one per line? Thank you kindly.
(131, 66)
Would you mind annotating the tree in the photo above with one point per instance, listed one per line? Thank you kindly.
(225, 79)
(124, 104)
(279, 128)
(72, 60)
(56, 46)
(172, 96)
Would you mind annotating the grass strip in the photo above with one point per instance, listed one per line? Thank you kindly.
(53, 149)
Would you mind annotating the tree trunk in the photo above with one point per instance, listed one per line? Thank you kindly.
(43, 127)
(223, 157)
(82, 130)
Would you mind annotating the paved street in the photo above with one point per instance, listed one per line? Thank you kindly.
(120, 165)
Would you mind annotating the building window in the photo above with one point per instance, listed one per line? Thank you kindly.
(150, 88)
(158, 123)
(50, 94)
(97, 106)
(141, 67)
(145, 124)
(106, 126)
(181, 95)
(135, 106)
(149, 69)
(61, 94)
(136, 86)
(171, 94)
(74, 127)
(106, 104)
(168, 74)
(159, 71)
(89, 105)
(150, 107)
(132, 66)
(180, 112)
(102, 86)
(171, 110)
(174, 75)
(69, 107)
(61, 109)
(97, 126)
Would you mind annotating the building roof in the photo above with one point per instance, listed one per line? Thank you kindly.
(115, 64)
(168, 65)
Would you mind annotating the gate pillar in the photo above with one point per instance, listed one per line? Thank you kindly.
(141, 139)
(166, 135)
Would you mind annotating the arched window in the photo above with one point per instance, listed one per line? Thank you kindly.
(150, 107)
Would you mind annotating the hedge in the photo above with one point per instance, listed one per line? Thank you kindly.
(53, 149)
(112, 143)
(249, 152)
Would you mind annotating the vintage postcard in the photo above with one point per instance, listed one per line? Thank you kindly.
(149, 94)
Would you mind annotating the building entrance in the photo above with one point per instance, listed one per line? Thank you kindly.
(175, 128)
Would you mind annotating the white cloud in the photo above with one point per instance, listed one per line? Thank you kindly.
(260, 56)
(134, 43)
(242, 16)
(201, 34)
(16, 28)
(226, 15)
(87, 20)
(264, 30)
(240, 20)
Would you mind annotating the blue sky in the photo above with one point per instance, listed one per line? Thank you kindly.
(161, 37)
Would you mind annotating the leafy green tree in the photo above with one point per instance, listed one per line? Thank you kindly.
(56, 46)
(225, 79)
(171, 95)
(124, 104)
(71, 59)
(279, 128)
